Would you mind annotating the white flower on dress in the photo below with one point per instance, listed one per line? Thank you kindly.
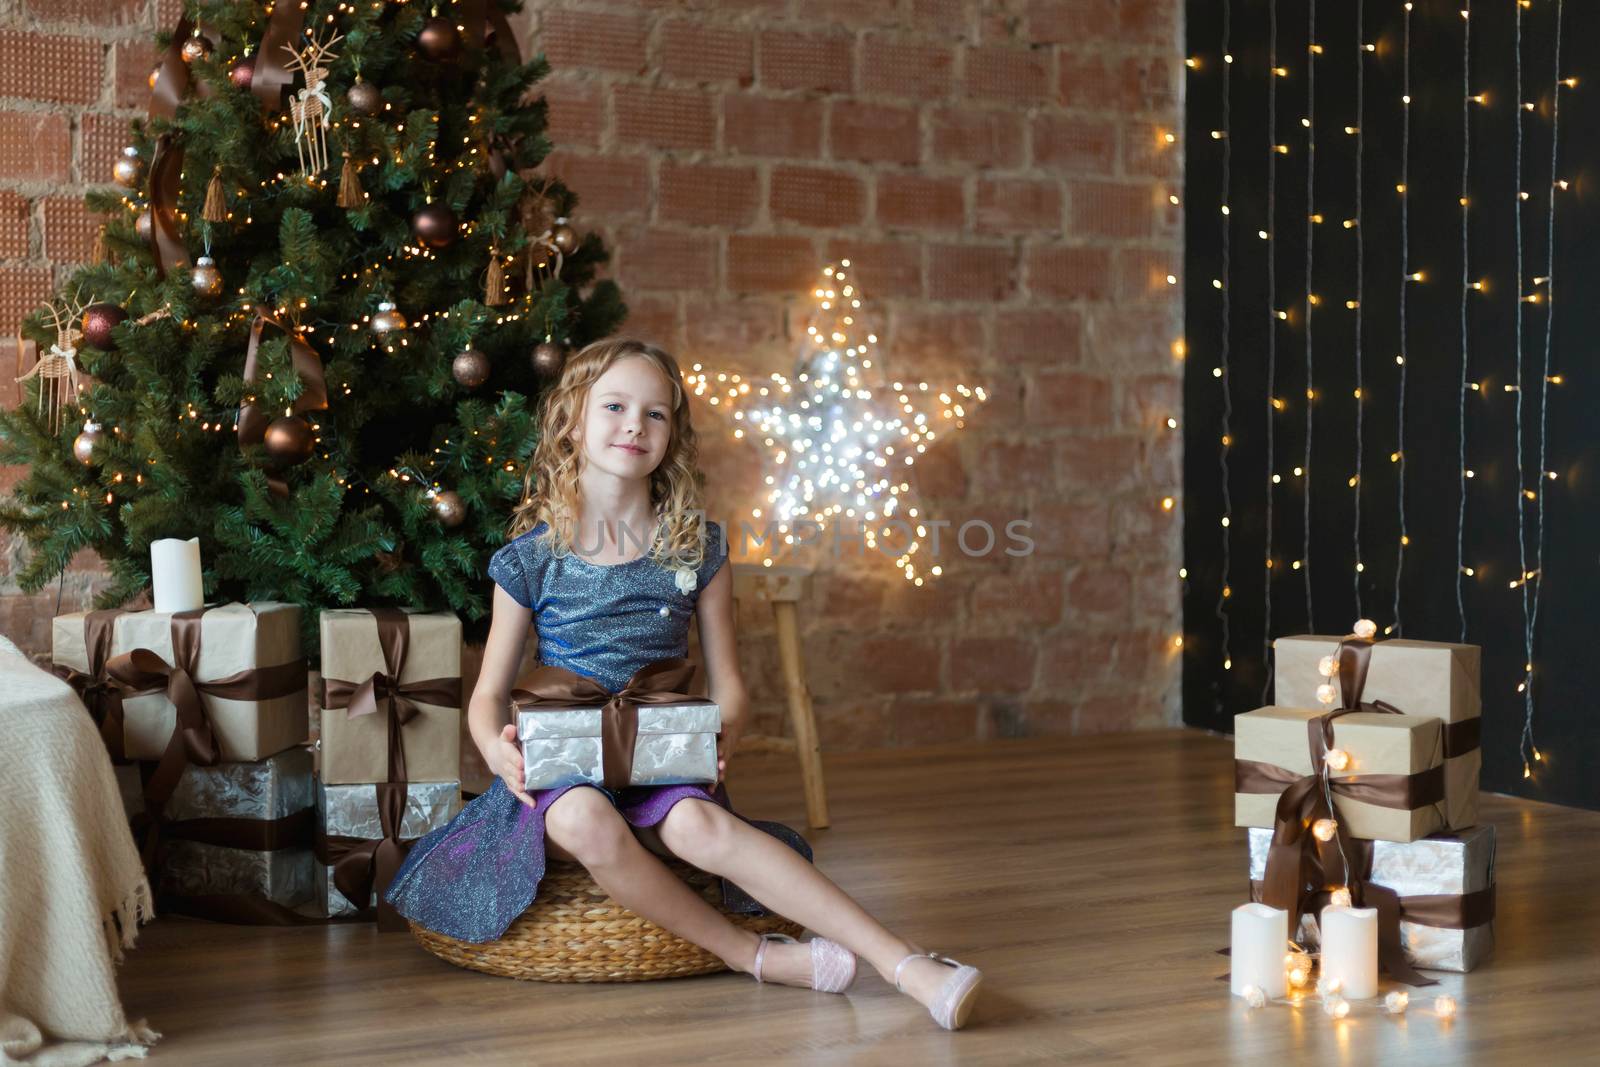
(686, 580)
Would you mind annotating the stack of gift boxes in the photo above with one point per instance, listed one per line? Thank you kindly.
(1402, 777)
(205, 715)
(390, 750)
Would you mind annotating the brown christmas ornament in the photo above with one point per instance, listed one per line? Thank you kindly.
(439, 39)
(289, 440)
(144, 226)
(195, 48)
(128, 168)
(548, 359)
(215, 209)
(387, 320)
(351, 195)
(364, 98)
(470, 368)
(435, 226)
(98, 322)
(206, 279)
(449, 508)
(243, 73)
(564, 237)
(84, 445)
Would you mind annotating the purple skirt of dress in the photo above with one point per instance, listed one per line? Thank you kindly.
(471, 877)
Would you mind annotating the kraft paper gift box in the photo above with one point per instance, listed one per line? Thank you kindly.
(354, 748)
(1445, 878)
(352, 811)
(1432, 678)
(1378, 744)
(260, 640)
(676, 745)
(277, 790)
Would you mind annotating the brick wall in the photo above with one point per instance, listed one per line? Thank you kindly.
(999, 175)
(72, 73)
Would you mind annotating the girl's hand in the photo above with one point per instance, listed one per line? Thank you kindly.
(505, 760)
(727, 742)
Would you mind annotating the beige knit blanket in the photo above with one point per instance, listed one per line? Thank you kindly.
(72, 890)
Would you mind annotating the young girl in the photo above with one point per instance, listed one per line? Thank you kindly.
(607, 563)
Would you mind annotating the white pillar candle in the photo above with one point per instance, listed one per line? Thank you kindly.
(175, 574)
(1260, 934)
(1350, 949)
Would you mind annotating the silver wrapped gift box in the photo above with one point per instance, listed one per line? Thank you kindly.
(1450, 864)
(676, 745)
(278, 787)
(352, 811)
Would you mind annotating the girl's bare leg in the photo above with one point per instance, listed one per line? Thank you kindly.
(583, 825)
(710, 838)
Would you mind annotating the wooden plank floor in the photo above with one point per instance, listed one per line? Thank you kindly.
(1091, 879)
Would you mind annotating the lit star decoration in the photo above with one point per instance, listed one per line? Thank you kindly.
(835, 444)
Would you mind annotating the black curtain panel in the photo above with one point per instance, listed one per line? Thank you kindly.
(1331, 355)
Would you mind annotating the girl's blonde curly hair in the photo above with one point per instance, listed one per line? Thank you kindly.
(550, 486)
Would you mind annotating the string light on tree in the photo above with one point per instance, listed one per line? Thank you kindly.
(838, 446)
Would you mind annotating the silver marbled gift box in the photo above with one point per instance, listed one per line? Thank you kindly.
(352, 811)
(268, 789)
(1448, 864)
(676, 745)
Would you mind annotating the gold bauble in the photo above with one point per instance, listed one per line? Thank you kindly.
(207, 279)
(549, 357)
(85, 443)
(449, 508)
(564, 237)
(195, 48)
(387, 320)
(128, 168)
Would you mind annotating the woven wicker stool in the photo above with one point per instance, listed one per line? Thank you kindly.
(573, 932)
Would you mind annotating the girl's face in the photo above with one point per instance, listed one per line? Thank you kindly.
(627, 419)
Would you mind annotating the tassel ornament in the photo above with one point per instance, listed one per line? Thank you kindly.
(494, 286)
(351, 195)
(216, 205)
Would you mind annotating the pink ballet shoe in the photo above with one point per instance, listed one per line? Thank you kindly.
(833, 967)
(954, 1002)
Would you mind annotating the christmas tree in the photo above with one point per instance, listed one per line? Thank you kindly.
(332, 285)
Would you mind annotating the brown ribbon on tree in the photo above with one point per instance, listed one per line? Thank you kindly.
(173, 83)
(100, 693)
(665, 681)
(364, 867)
(272, 74)
(1300, 867)
(307, 364)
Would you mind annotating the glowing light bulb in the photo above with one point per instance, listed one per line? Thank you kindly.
(1397, 1002)
(1444, 1006)
(1324, 829)
(1336, 1006)
(1340, 898)
(1254, 996)
(1338, 759)
(1365, 629)
(1327, 666)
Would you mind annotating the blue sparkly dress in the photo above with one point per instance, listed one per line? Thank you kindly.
(470, 878)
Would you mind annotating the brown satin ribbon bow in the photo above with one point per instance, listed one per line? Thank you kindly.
(1302, 869)
(361, 867)
(665, 681)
